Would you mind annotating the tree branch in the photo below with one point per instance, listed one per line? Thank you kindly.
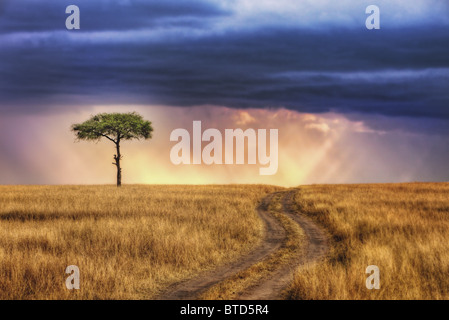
(106, 137)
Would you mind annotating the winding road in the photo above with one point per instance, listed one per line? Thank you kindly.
(269, 288)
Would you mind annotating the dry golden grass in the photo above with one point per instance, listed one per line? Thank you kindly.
(401, 228)
(129, 243)
(236, 285)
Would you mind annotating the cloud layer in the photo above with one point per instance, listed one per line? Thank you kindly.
(305, 56)
(354, 105)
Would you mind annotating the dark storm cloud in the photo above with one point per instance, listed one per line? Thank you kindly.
(392, 71)
(49, 15)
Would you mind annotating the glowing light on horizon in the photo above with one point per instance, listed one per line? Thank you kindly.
(313, 148)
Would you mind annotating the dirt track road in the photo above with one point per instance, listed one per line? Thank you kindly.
(314, 249)
(271, 287)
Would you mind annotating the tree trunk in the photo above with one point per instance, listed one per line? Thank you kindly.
(117, 158)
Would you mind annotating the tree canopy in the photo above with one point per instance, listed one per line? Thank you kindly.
(114, 126)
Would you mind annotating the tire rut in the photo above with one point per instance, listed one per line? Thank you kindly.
(192, 288)
(314, 249)
(270, 288)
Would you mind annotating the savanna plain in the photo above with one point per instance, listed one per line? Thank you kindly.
(136, 241)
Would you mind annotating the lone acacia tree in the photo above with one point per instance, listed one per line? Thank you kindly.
(115, 127)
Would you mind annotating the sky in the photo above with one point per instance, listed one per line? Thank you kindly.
(352, 105)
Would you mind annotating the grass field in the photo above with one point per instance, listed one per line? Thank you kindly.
(401, 228)
(129, 243)
(232, 287)
(134, 241)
